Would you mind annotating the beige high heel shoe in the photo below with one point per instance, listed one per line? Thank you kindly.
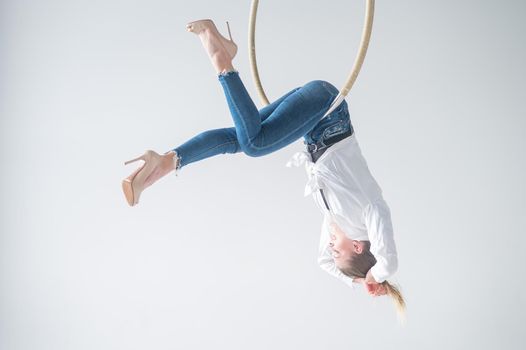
(134, 184)
(207, 24)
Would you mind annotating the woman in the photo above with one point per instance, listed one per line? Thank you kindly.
(357, 242)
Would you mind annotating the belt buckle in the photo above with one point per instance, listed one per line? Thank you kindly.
(315, 147)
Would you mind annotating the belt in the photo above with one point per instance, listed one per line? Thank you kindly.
(317, 149)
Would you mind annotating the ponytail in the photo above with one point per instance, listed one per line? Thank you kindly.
(397, 298)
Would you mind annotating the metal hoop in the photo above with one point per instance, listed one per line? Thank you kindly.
(364, 44)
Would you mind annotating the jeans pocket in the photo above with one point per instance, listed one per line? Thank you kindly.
(333, 130)
(334, 124)
(336, 128)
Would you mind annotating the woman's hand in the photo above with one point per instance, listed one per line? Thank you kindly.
(373, 288)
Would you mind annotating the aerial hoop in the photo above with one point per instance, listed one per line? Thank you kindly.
(364, 44)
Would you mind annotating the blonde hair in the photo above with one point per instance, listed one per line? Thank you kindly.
(397, 298)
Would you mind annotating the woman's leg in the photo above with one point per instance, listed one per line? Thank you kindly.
(294, 117)
(219, 141)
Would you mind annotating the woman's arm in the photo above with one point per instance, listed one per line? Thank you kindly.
(377, 218)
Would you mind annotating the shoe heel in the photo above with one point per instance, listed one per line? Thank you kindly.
(229, 33)
(232, 46)
(134, 160)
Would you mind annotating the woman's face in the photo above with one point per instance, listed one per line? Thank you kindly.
(341, 246)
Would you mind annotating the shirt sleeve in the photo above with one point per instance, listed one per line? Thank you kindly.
(325, 259)
(377, 217)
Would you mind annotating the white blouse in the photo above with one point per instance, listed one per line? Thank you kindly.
(354, 202)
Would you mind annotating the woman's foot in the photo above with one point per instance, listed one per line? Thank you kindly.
(169, 162)
(155, 166)
(221, 51)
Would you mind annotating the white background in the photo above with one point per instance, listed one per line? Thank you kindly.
(223, 256)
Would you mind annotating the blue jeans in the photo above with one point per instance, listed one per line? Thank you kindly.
(296, 114)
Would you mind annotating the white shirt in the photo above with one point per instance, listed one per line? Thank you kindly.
(355, 204)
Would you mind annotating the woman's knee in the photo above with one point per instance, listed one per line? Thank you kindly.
(320, 89)
(323, 84)
(252, 151)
